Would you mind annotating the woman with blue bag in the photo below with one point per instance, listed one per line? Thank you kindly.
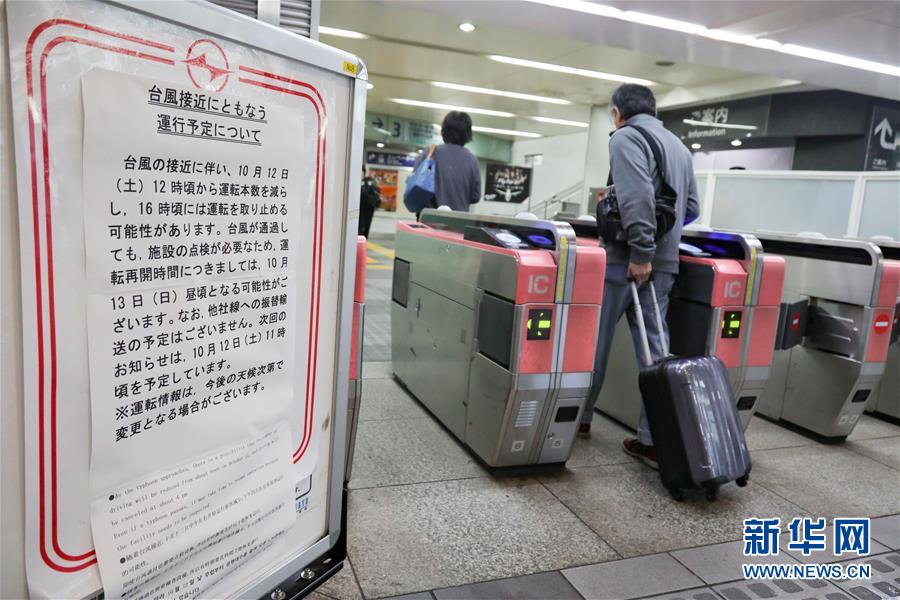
(448, 175)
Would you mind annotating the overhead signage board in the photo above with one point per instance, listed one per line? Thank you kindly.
(507, 183)
(721, 120)
(883, 140)
(391, 159)
(182, 195)
(421, 134)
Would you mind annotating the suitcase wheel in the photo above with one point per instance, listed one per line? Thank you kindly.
(742, 481)
(677, 495)
(712, 494)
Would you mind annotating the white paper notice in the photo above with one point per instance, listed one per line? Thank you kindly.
(181, 530)
(192, 236)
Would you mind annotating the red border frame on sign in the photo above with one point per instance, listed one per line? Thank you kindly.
(87, 559)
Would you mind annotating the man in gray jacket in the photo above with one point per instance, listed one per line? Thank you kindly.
(637, 180)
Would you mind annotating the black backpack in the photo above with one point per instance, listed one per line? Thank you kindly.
(370, 195)
(609, 219)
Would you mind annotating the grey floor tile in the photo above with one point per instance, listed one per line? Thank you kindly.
(541, 586)
(342, 586)
(319, 596)
(762, 434)
(719, 563)
(827, 555)
(885, 580)
(418, 596)
(829, 481)
(884, 450)
(703, 593)
(781, 590)
(887, 531)
(378, 370)
(432, 535)
(869, 427)
(604, 447)
(408, 451)
(384, 399)
(631, 578)
(629, 508)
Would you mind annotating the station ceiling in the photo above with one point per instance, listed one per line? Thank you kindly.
(410, 45)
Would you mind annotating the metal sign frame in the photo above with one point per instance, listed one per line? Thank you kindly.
(297, 574)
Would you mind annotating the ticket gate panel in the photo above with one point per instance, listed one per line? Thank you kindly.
(725, 283)
(480, 314)
(762, 336)
(819, 271)
(581, 338)
(504, 413)
(885, 399)
(358, 327)
(826, 393)
(822, 385)
(620, 397)
(440, 345)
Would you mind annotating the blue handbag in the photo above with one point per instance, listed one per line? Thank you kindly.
(420, 186)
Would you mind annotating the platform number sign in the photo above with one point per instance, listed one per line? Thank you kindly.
(538, 324)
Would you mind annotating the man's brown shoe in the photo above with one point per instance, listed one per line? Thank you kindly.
(633, 447)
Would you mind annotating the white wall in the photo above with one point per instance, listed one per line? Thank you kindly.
(563, 162)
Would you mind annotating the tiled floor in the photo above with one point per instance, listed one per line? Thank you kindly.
(427, 522)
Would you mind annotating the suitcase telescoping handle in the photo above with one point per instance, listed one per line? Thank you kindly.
(642, 328)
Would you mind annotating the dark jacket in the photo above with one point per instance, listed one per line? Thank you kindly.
(457, 179)
(637, 180)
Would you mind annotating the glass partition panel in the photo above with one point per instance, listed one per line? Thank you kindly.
(782, 204)
(701, 187)
(880, 209)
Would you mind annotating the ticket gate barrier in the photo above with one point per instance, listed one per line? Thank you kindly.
(356, 353)
(822, 384)
(494, 324)
(725, 303)
(885, 399)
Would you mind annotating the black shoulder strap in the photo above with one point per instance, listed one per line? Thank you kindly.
(658, 155)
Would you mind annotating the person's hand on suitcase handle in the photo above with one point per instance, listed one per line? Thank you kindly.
(640, 272)
(639, 319)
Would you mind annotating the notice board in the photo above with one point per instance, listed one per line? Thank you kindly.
(187, 189)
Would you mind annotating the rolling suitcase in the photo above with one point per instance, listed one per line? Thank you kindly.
(693, 417)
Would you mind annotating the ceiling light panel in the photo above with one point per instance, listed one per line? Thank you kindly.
(441, 106)
(342, 33)
(513, 132)
(561, 121)
(719, 125)
(491, 92)
(533, 64)
(721, 35)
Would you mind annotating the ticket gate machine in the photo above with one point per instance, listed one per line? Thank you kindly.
(493, 325)
(356, 353)
(885, 399)
(849, 293)
(725, 303)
